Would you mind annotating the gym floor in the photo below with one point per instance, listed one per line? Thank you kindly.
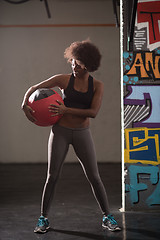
(74, 213)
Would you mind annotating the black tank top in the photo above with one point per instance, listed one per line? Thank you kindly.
(75, 99)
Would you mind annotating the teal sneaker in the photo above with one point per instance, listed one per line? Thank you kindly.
(42, 225)
(108, 222)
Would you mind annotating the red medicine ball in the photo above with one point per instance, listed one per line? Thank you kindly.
(39, 101)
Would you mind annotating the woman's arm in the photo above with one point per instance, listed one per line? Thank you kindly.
(55, 81)
(91, 112)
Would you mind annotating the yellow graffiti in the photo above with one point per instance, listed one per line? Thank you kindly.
(144, 64)
(138, 62)
(142, 145)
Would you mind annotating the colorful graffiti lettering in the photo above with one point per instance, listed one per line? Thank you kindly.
(145, 66)
(137, 173)
(142, 145)
(141, 81)
(138, 95)
(148, 16)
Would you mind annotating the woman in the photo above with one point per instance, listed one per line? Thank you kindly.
(82, 95)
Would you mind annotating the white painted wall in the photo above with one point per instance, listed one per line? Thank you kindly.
(31, 54)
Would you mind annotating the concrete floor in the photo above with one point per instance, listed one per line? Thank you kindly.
(74, 213)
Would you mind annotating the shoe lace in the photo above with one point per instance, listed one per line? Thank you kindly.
(111, 219)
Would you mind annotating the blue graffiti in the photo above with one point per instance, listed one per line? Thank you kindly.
(135, 173)
(150, 153)
(138, 95)
(154, 198)
(153, 132)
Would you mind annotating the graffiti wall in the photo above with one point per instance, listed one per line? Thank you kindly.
(141, 80)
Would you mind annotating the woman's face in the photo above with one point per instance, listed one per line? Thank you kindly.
(78, 68)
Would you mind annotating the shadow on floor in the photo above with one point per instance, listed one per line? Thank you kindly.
(85, 235)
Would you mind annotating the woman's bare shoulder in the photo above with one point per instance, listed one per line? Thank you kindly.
(62, 80)
(98, 84)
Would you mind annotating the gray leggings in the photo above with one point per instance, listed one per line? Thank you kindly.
(58, 145)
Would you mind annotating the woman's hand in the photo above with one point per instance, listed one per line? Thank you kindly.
(57, 109)
(28, 112)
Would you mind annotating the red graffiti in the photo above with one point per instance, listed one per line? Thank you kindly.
(149, 12)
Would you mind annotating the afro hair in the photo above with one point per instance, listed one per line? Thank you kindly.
(86, 52)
